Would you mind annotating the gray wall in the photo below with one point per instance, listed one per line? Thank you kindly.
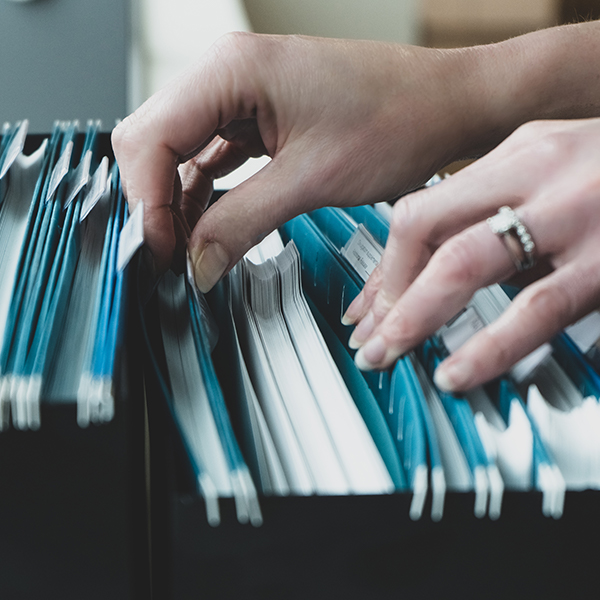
(63, 59)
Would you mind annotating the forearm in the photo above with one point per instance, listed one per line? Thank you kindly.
(548, 74)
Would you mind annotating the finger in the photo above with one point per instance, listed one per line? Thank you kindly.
(407, 252)
(468, 261)
(244, 134)
(196, 193)
(235, 143)
(359, 306)
(462, 265)
(424, 220)
(181, 230)
(244, 215)
(524, 278)
(220, 158)
(181, 238)
(176, 123)
(537, 314)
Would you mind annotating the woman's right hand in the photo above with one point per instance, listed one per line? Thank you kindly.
(345, 122)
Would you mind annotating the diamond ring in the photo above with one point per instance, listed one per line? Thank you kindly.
(515, 236)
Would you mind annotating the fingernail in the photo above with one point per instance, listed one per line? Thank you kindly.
(452, 377)
(353, 311)
(371, 354)
(346, 320)
(362, 332)
(209, 266)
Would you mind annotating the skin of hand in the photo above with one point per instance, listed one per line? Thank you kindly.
(345, 122)
(441, 250)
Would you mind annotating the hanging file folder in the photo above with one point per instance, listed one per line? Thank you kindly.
(70, 492)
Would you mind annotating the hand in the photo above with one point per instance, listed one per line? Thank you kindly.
(345, 122)
(441, 250)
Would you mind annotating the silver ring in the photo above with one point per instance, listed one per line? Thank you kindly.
(515, 236)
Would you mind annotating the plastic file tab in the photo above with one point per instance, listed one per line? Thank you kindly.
(99, 183)
(14, 147)
(132, 237)
(372, 220)
(586, 332)
(362, 252)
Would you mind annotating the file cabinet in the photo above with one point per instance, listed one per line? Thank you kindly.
(73, 518)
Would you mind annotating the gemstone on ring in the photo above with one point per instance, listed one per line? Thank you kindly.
(515, 236)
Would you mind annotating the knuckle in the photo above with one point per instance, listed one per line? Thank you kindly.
(537, 135)
(399, 331)
(375, 279)
(125, 139)
(455, 261)
(546, 141)
(497, 355)
(232, 53)
(234, 41)
(382, 304)
(240, 50)
(117, 136)
(530, 130)
(585, 190)
(405, 217)
(121, 135)
(373, 285)
(552, 304)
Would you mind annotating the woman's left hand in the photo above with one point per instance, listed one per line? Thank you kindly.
(441, 250)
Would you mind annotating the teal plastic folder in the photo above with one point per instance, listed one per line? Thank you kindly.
(460, 414)
(215, 395)
(33, 233)
(364, 400)
(334, 224)
(53, 266)
(576, 366)
(329, 284)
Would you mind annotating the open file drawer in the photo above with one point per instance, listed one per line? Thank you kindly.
(352, 546)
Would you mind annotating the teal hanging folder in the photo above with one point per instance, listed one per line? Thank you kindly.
(365, 401)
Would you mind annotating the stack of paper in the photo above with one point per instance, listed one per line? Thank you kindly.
(198, 406)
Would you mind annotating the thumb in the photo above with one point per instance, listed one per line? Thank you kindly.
(242, 217)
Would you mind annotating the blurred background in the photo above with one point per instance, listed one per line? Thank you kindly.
(65, 59)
